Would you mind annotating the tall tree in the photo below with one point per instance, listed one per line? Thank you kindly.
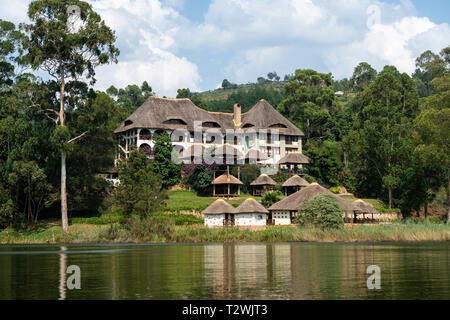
(65, 55)
(363, 75)
(432, 132)
(381, 140)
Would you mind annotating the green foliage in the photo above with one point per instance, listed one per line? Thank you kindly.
(131, 97)
(151, 228)
(363, 75)
(325, 161)
(309, 178)
(163, 164)
(334, 189)
(248, 173)
(322, 211)
(139, 192)
(183, 219)
(269, 198)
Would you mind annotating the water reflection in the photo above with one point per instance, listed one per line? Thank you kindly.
(62, 274)
(227, 271)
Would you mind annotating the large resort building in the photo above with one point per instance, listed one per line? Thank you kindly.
(262, 134)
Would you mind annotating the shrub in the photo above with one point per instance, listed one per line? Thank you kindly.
(151, 228)
(309, 178)
(269, 198)
(322, 211)
(335, 189)
(182, 219)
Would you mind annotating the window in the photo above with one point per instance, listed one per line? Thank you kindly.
(128, 122)
(290, 139)
(278, 126)
(174, 121)
(291, 150)
(248, 125)
(210, 124)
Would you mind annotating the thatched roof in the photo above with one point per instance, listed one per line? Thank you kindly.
(295, 181)
(251, 206)
(295, 200)
(219, 206)
(226, 179)
(294, 158)
(155, 111)
(263, 180)
(363, 207)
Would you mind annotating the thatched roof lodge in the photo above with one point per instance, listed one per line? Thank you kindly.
(228, 180)
(365, 212)
(262, 184)
(250, 213)
(218, 214)
(294, 184)
(286, 209)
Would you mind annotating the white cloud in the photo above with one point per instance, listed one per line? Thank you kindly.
(146, 35)
(250, 38)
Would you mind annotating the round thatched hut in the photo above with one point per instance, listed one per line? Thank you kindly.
(225, 181)
(219, 213)
(286, 209)
(294, 184)
(363, 211)
(262, 184)
(294, 159)
(250, 213)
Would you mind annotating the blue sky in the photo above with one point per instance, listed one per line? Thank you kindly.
(197, 43)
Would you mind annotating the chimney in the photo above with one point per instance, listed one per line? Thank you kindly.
(237, 114)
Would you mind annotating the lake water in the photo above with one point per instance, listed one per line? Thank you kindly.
(226, 271)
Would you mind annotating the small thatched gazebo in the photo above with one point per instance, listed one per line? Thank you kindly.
(262, 184)
(294, 159)
(361, 208)
(294, 184)
(286, 209)
(251, 213)
(219, 213)
(228, 180)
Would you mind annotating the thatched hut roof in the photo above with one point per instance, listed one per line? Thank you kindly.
(159, 113)
(295, 200)
(251, 206)
(263, 180)
(363, 207)
(219, 206)
(295, 181)
(294, 158)
(226, 179)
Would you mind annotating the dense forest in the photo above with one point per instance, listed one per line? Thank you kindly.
(387, 137)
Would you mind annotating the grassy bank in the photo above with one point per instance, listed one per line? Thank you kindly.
(50, 232)
(189, 200)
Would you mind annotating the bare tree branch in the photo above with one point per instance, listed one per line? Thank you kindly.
(81, 135)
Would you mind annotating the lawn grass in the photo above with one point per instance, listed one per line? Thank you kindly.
(189, 200)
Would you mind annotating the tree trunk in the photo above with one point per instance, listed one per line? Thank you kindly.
(64, 219)
(448, 201)
(390, 197)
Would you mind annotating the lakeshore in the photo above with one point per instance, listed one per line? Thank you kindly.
(50, 233)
